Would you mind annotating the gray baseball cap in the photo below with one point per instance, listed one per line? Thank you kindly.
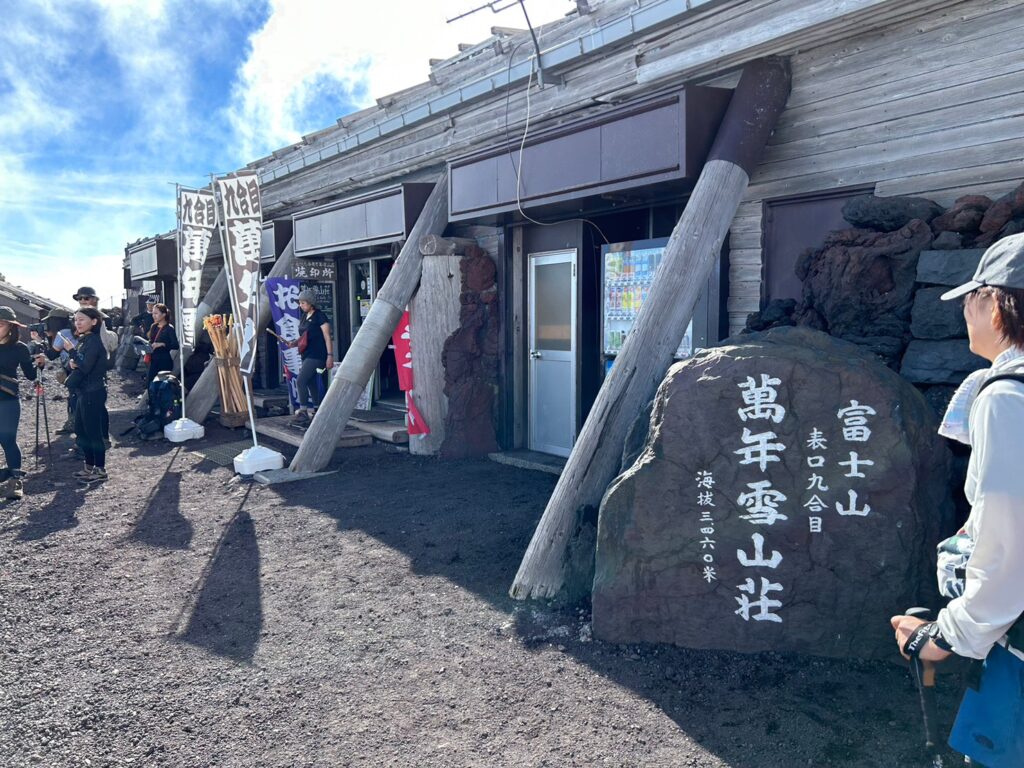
(1001, 266)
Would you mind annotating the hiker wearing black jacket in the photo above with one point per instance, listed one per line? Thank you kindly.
(163, 339)
(14, 354)
(88, 381)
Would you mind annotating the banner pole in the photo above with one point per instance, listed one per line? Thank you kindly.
(177, 297)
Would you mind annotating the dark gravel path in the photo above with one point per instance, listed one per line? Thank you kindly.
(180, 616)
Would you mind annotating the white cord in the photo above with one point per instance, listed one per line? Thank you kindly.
(519, 170)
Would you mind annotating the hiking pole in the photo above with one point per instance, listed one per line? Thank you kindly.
(924, 678)
(41, 401)
(36, 465)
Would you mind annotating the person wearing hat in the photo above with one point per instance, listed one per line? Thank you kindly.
(86, 297)
(142, 322)
(14, 354)
(982, 567)
(315, 349)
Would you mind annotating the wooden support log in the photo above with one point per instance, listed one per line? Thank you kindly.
(371, 339)
(689, 257)
(435, 245)
(203, 395)
(434, 316)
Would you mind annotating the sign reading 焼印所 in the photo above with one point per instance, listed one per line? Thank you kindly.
(242, 217)
(197, 218)
(788, 498)
(314, 269)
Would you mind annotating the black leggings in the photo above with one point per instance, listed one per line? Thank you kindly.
(90, 418)
(10, 415)
(309, 382)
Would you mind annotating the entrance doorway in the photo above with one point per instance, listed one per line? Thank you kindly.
(552, 349)
(366, 276)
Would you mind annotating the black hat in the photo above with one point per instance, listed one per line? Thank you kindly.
(85, 292)
(152, 300)
(7, 314)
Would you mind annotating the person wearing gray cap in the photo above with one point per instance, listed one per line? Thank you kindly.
(315, 349)
(982, 567)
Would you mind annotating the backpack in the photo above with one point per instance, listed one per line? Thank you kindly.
(164, 406)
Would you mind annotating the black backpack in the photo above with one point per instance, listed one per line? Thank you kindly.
(164, 406)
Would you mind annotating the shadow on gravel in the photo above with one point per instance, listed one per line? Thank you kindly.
(57, 515)
(471, 521)
(227, 617)
(162, 524)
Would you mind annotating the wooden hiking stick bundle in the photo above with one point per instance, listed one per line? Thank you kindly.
(226, 359)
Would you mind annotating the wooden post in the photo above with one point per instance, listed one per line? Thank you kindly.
(203, 395)
(434, 316)
(372, 337)
(690, 255)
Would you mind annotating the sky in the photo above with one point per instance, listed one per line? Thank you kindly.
(106, 104)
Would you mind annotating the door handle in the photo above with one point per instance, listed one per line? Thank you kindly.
(535, 354)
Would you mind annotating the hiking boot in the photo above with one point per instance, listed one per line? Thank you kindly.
(12, 488)
(98, 476)
(300, 419)
(83, 473)
(68, 428)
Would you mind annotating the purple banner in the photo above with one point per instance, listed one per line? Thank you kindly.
(285, 313)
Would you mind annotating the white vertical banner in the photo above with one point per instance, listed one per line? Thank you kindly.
(242, 221)
(197, 218)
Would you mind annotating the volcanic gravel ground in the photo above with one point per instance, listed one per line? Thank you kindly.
(181, 616)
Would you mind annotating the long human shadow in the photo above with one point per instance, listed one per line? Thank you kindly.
(58, 514)
(471, 521)
(161, 523)
(227, 615)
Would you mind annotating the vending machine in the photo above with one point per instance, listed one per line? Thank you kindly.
(628, 272)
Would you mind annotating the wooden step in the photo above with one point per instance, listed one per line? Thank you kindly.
(388, 431)
(279, 428)
(270, 399)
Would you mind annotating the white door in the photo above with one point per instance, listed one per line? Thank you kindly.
(552, 369)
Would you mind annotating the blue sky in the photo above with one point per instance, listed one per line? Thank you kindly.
(105, 104)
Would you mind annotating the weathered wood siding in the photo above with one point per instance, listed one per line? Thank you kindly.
(729, 33)
(933, 107)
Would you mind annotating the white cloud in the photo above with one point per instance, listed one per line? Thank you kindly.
(361, 50)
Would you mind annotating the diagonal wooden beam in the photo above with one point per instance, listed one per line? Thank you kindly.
(689, 258)
(372, 337)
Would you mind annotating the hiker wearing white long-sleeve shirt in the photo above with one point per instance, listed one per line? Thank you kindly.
(982, 567)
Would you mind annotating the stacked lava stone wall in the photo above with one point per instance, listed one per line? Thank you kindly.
(878, 283)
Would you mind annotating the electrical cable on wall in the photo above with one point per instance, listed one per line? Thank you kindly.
(522, 148)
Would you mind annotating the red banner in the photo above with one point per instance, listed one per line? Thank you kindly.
(403, 359)
(403, 353)
(414, 421)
